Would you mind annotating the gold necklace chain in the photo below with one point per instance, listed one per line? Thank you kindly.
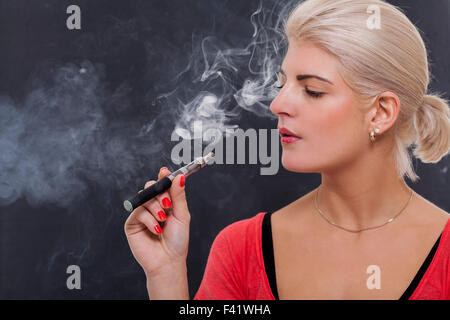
(369, 228)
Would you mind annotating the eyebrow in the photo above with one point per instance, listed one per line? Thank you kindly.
(307, 76)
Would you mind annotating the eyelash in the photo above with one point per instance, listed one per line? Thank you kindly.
(312, 94)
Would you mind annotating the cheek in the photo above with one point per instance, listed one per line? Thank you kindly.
(332, 137)
(335, 123)
(340, 128)
(338, 123)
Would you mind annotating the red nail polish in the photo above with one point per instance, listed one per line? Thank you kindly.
(182, 180)
(166, 202)
(163, 168)
(158, 229)
(161, 215)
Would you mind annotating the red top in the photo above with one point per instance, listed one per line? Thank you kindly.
(235, 268)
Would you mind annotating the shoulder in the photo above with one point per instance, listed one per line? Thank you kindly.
(429, 222)
(429, 216)
(238, 243)
(241, 239)
(242, 229)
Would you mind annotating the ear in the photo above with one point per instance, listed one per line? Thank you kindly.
(384, 112)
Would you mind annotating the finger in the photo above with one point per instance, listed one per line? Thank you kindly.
(158, 203)
(155, 199)
(154, 207)
(178, 195)
(163, 172)
(146, 218)
(164, 198)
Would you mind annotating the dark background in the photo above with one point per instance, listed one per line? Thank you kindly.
(74, 145)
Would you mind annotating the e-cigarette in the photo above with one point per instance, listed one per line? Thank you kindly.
(162, 185)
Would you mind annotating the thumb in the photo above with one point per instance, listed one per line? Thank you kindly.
(178, 195)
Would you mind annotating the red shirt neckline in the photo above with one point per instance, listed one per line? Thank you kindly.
(425, 278)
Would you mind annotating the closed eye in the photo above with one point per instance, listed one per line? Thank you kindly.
(314, 94)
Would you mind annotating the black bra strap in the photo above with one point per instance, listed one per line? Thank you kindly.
(419, 275)
(267, 248)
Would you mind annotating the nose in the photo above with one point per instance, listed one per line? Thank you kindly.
(281, 104)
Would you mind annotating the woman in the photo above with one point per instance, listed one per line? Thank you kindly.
(353, 98)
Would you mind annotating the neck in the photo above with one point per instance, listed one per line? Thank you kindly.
(365, 194)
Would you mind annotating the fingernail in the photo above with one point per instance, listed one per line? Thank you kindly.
(163, 168)
(158, 229)
(161, 215)
(182, 180)
(166, 202)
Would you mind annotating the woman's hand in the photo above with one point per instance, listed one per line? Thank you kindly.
(158, 231)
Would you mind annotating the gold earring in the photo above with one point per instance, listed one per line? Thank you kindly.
(372, 134)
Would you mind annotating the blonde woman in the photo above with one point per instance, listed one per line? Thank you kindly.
(353, 97)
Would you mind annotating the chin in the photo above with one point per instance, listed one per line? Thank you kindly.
(296, 163)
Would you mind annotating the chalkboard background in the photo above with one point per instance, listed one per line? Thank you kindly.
(86, 118)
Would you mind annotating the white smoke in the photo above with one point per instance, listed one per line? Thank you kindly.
(216, 93)
(65, 135)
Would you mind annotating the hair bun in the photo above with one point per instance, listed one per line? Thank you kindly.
(432, 124)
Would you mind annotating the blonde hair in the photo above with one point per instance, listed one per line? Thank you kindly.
(391, 58)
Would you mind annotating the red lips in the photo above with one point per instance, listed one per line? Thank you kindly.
(285, 132)
(288, 136)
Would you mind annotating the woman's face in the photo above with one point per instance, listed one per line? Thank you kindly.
(324, 113)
